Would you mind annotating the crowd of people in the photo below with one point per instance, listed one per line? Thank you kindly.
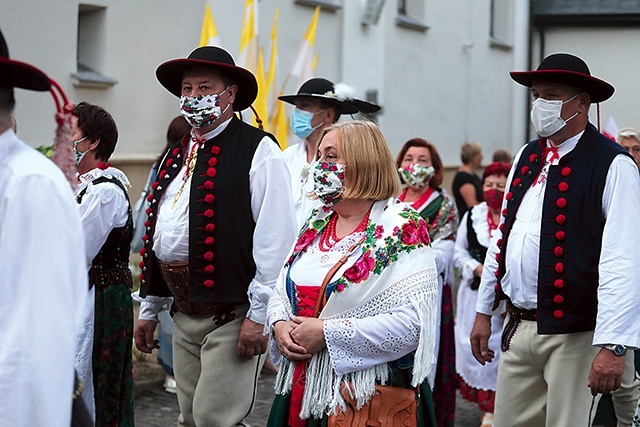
(373, 291)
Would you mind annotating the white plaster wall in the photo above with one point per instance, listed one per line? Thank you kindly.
(446, 84)
(611, 54)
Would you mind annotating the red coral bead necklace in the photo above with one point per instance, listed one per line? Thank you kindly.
(329, 238)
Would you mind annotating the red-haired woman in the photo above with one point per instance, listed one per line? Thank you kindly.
(477, 382)
(421, 171)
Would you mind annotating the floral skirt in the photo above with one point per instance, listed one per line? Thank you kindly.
(485, 399)
(112, 350)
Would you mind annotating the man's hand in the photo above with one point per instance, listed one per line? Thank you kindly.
(308, 333)
(143, 335)
(480, 339)
(251, 342)
(287, 346)
(606, 372)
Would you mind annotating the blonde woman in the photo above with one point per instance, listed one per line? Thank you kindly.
(379, 321)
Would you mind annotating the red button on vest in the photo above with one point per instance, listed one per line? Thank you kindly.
(559, 267)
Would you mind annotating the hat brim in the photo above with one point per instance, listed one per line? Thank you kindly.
(22, 75)
(170, 75)
(598, 90)
(351, 106)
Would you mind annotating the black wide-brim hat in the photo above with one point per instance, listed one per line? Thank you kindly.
(566, 69)
(170, 73)
(323, 89)
(20, 74)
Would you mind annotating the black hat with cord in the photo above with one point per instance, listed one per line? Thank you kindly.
(340, 96)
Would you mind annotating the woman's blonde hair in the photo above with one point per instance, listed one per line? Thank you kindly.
(469, 150)
(370, 171)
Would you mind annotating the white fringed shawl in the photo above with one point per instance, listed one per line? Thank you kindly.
(409, 278)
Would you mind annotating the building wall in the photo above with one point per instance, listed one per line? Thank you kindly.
(447, 84)
(610, 53)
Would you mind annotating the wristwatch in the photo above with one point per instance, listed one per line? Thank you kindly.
(617, 349)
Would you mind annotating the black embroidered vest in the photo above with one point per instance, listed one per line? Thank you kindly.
(571, 230)
(111, 264)
(476, 250)
(221, 223)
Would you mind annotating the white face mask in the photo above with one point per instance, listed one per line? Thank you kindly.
(545, 116)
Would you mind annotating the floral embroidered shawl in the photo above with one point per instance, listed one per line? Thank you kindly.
(396, 267)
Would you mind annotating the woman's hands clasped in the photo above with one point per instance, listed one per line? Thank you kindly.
(300, 337)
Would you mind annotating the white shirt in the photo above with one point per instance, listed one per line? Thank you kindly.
(301, 174)
(43, 284)
(103, 207)
(273, 213)
(619, 270)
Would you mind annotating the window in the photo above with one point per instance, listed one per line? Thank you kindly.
(411, 15)
(500, 25)
(91, 48)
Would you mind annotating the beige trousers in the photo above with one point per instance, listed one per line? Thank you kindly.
(542, 380)
(625, 399)
(215, 387)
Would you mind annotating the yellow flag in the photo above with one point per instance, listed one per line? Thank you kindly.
(310, 35)
(303, 64)
(249, 37)
(279, 125)
(260, 104)
(209, 34)
(272, 90)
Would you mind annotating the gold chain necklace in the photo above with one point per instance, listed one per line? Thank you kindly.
(191, 165)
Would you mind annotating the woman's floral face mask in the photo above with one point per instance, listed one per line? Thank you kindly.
(328, 182)
(416, 175)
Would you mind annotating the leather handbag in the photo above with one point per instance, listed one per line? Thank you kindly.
(388, 407)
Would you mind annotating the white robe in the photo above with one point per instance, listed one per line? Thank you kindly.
(44, 286)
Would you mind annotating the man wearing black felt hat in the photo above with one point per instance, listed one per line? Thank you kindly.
(319, 103)
(220, 224)
(564, 260)
(44, 283)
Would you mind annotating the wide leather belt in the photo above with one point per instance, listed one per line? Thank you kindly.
(521, 313)
(177, 277)
(516, 315)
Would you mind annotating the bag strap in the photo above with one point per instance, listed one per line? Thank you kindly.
(322, 295)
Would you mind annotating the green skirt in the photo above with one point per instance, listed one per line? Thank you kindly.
(112, 364)
(279, 414)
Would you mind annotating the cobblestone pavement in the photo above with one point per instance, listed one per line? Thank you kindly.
(156, 408)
